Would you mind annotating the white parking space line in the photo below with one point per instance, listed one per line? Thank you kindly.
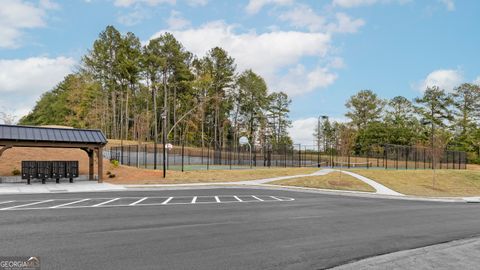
(167, 200)
(70, 203)
(255, 197)
(139, 201)
(6, 202)
(23, 205)
(102, 203)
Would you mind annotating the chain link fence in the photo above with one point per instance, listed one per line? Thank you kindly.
(207, 157)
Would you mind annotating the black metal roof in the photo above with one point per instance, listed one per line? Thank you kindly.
(47, 134)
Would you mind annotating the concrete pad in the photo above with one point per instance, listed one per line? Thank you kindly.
(472, 199)
(82, 186)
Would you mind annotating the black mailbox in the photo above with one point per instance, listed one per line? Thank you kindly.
(49, 169)
(58, 170)
(29, 170)
(44, 170)
(71, 170)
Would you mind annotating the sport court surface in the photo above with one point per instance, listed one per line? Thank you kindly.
(313, 231)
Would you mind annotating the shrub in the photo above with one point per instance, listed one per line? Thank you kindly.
(114, 162)
(16, 172)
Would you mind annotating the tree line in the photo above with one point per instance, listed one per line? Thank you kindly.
(437, 119)
(136, 92)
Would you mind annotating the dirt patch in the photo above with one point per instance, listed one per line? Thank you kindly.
(334, 180)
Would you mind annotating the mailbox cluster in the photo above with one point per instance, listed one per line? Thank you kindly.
(49, 169)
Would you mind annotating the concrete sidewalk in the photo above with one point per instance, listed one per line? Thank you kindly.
(461, 254)
(379, 188)
(80, 186)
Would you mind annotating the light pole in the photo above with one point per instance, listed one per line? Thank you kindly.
(164, 141)
(428, 122)
(318, 137)
(268, 135)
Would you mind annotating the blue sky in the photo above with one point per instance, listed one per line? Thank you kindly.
(319, 52)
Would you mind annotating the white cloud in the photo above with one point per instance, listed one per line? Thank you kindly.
(345, 24)
(299, 81)
(303, 16)
(302, 130)
(446, 79)
(22, 81)
(176, 21)
(353, 3)
(359, 3)
(127, 3)
(254, 6)
(17, 15)
(132, 18)
(48, 4)
(477, 81)
(196, 3)
(449, 4)
(336, 63)
(266, 53)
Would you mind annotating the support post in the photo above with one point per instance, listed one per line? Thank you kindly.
(90, 164)
(100, 164)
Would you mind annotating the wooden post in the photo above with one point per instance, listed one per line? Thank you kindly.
(90, 153)
(100, 164)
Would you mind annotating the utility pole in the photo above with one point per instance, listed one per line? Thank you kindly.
(318, 141)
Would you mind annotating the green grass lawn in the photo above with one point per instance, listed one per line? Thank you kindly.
(425, 183)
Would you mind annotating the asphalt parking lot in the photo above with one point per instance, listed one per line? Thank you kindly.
(282, 230)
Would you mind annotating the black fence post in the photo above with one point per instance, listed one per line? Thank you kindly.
(406, 157)
(299, 155)
(396, 158)
(415, 157)
(155, 156)
(368, 155)
(230, 156)
(138, 158)
(454, 160)
(121, 154)
(448, 162)
(183, 154)
(208, 156)
(385, 156)
(318, 155)
(424, 158)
